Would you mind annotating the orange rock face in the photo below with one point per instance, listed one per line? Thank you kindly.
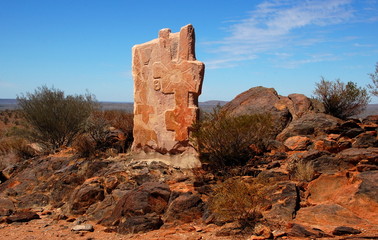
(167, 83)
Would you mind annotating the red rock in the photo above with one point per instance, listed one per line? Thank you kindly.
(185, 208)
(6, 207)
(308, 125)
(297, 230)
(339, 231)
(297, 143)
(327, 145)
(357, 195)
(22, 216)
(167, 83)
(260, 100)
(301, 105)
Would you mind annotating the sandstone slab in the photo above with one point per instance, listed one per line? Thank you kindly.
(167, 83)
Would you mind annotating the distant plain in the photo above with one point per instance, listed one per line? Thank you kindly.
(11, 104)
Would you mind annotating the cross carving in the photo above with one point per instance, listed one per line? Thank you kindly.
(180, 79)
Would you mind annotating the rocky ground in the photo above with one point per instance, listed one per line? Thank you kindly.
(319, 180)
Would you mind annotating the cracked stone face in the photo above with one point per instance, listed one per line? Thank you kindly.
(167, 83)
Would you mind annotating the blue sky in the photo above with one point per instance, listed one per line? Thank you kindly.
(79, 45)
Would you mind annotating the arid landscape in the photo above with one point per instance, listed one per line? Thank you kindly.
(316, 179)
(154, 162)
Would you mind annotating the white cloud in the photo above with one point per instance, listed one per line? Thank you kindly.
(277, 24)
(310, 59)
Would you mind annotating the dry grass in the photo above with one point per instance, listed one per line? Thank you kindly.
(235, 200)
(304, 171)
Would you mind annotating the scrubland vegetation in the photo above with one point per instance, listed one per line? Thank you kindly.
(49, 121)
(224, 140)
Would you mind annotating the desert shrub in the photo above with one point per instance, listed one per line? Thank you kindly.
(225, 140)
(85, 145)
(341, 100)
(123, 121)
(97, 129)
(374, 78)
(56, 119)
(304, 171)
(110, 129)
(234, 200)
(18, 145)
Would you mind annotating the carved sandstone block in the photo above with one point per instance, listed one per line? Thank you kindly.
(167, 83)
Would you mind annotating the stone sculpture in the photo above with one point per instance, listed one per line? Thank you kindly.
(167, 83)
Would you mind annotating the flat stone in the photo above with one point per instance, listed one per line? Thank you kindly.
(22, 216)
(339, 231)
(83, 228)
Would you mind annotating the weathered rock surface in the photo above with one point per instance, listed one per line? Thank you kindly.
(84, 196)
(297, 143)
(167, 83)
(284, 200)
(261, 100)
(22, 216)
(341, 200)
(6, 207)
(83, 227)
(342, 230)
(185, 208)
(143, 223)
(310, 124)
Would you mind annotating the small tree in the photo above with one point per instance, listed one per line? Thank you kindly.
(374, 77)
(56, 119)
(341, 100)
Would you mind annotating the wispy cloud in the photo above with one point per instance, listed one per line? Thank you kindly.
(277, 24)
(310, 59)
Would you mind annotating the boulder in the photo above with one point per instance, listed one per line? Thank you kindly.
(301, 105)
(138, 224)
(151, 197)
(365, 140)
(297, 143)
(261, 100)
(371, 119)
(342, 230)
(298, 230)
(357, 195)
(322, 161)
(308, 125)
(84, 196)
(284, 199)
(22, 216)
(355, 155)
(327, 216)
(185, 208)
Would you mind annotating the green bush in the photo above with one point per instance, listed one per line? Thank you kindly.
(56, 119)
(225, 140)
(341, 100)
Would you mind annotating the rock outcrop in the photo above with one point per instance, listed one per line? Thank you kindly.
(261, 100)
(167, 83)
